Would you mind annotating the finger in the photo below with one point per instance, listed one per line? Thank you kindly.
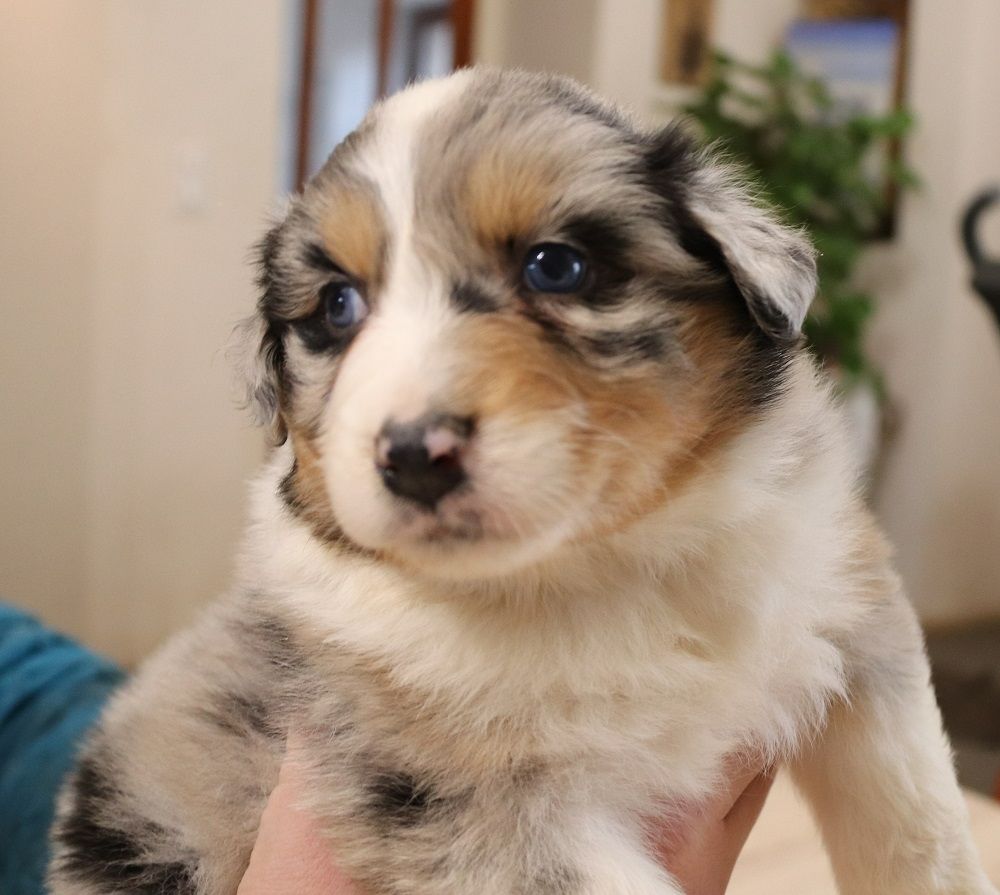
(738, 776)
(291, 856)
(746, 809)
(672, 833)
(733, 831)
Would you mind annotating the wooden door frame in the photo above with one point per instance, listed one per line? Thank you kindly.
(307, 87)
(461, 13)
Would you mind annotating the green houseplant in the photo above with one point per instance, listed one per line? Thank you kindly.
(812, 160)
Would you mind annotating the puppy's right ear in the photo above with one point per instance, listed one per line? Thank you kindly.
(261, 349)
(719, 222)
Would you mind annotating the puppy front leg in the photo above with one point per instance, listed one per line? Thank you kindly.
(880, 777)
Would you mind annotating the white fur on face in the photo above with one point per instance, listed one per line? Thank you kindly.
(521, 500)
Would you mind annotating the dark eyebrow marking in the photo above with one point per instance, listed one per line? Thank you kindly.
(316, 257)
(600, 234)
(470, 298)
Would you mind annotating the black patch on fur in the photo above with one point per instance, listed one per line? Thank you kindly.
(598, 234)
(552, 330)
(765, 377)
(241, 715)
(642, 345)
(270, 278)
(669, 161)
(288, 492)
(268, 397)
(271, 638)
(272, 351)
(768, 317)
(470, 298)
(397, 800)
(762, 378)
(607, 250)
(316, 257)
(99, 854)
(698, 242)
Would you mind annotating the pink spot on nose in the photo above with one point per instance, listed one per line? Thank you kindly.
(442, 442)
(382, 446)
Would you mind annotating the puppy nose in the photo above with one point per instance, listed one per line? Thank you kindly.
(422, 461)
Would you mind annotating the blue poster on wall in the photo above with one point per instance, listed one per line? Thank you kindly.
(857, 59)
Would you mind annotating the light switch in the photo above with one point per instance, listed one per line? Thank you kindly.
(191, 178)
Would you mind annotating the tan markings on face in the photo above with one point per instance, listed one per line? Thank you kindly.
(507, 194)
(354, 232)
(710, 408)
(507, 368)
(310, 500)
(643, 437)
(621, 432)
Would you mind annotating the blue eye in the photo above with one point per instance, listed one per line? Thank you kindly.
(552, 267)
(343, 305)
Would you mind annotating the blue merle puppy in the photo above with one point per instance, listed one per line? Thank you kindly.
(559, 515)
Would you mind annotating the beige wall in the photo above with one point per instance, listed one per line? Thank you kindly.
(555, 35)
(190, 86)
(940, 494)
(143, 140)
(51, 70)
(612, 45)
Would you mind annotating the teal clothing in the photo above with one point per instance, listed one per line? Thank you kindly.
(51, 692)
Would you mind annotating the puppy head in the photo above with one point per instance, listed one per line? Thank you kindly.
(501, 319)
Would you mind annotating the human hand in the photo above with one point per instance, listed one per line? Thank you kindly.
(290, 856)
(701, 850)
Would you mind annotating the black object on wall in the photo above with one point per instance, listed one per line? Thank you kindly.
(985, 270)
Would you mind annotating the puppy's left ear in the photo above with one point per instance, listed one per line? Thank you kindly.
(259, 352)
(259, 359)
(773, 266)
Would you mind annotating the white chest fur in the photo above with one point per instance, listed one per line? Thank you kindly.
(642, 662)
